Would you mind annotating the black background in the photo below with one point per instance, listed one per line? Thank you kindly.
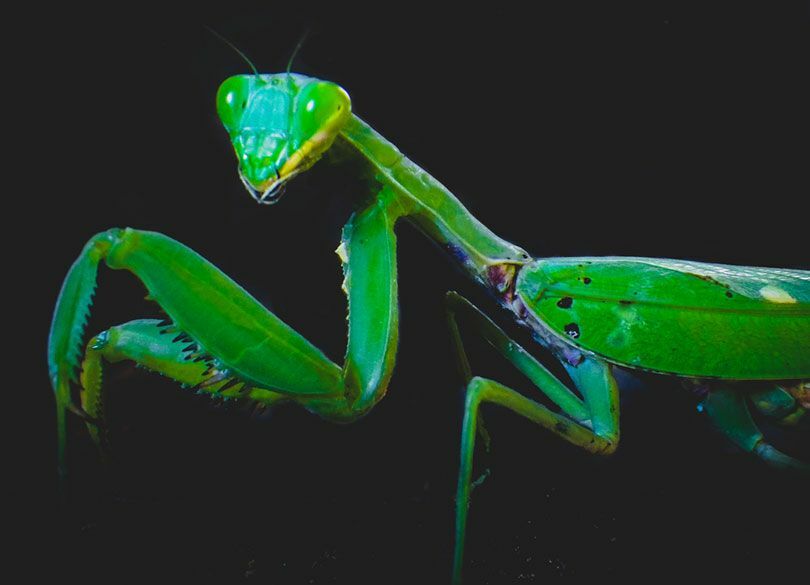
(661, 130)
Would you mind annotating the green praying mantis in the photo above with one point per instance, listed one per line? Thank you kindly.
(739, 335)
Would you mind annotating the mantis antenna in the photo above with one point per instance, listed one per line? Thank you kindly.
(295, 51)
(290, 62)
(240, 53)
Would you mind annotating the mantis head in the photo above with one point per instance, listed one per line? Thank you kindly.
(280, 125)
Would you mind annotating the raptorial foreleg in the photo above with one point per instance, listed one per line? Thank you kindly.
(239, 336)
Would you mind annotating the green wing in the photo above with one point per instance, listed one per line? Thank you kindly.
(676, 316)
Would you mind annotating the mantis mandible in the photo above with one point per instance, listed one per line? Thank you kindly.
(715, 326)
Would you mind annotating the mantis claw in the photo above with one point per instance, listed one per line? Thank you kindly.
(82, 414)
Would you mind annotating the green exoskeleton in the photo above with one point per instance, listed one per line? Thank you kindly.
(740, 335)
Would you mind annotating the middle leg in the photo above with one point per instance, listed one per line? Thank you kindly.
(590, 422)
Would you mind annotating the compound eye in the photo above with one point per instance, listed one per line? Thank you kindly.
(321, 104)
(232, 98)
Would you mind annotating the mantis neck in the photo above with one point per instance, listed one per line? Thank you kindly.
(436, 211)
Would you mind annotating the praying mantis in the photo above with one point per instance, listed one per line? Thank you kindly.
(738, 335)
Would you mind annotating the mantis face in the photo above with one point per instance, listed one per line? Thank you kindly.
(279, 125)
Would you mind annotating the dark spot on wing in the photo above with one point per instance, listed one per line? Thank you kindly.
(572, 330)
(586, 280)
(625, 302)
(565, 302)
(729, 294)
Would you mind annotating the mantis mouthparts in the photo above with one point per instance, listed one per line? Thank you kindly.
(268, 196)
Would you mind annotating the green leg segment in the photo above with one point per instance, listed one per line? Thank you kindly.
(64, 343)
(591, 423)
(239, 346)
(728, 410)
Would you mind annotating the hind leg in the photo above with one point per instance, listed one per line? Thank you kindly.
(728, 410)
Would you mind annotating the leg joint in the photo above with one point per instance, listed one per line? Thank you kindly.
(476, 389)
